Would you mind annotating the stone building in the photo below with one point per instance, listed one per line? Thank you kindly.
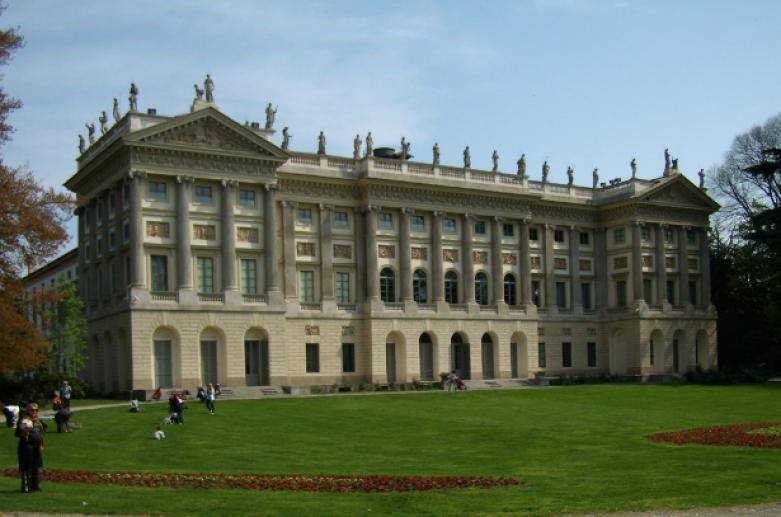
(209, 254)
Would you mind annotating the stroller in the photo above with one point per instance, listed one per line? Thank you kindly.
(460, 384)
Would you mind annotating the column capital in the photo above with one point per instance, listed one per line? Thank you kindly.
(325, 207)
(271, 187)
(407, 211)
(287, 203)
(550, 226)
(469, 217)
(686, 227)
(184, 179)
(438, 213)
(526, 221)
(637, 223)
(663, 225)
(575, 228)
(498, 218)
(229, 183)
(373, 208)
(136, 175)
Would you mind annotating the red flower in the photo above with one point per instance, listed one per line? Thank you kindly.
(744, 435)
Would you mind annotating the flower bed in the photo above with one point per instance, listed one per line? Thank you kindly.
(294, 482)
(758, 434)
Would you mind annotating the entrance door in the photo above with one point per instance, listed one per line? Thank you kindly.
(460, 354)
(252, 362)
(676, 364)
(487, 347)
(514, 360)
(426, 352)
(390, 362)
(209, 362)
(163, 366)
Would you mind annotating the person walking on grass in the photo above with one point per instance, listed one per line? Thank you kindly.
(30, 431)
(211, 396)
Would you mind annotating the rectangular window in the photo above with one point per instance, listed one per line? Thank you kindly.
(126, 194)
(536, 292)
(342, 287)
(621, 293)
(125, 231)
(112, 202)
(159, 273)
(348, 357)
(671, 291)
(566, 355)
(561, 295)
(112, 239)
(479, 228)
(693, 292)
(668, 235)
(306, 286)
(341, 219)
(418, 223)
(449, 225)
(585, 292)
(645, 233)
(541, 355)
(312, 357)
(99, 246)
(647, 290)
(205, 274)
(508, 229)
(203, 194)
(247, 198)
(304, 216)
(249, 276)
(691, 238)
(618, 236)
(651, 352)
(533, 234)
(558, 235)
(585, 238)
(385, 221)
(591, 349)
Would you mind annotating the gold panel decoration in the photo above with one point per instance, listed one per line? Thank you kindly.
(536, 262)
(348, 330)
(541, 331)
(692, 262)
(619, 263)
(559, 263)
(305, 249)
(585, 265)
(158, 229)
(566, 331)
(509, 259)
(312, 330)
(343, 251)
(248, 235)
(419, 253)
(669, 262)
(648, 261)
(386, 251)
(204, 232)
(480, 257)
(450, 255)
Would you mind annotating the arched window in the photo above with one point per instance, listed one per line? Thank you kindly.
(509, 289)
(481, 288)
(451, 287)
(387, 285)
(419, 287)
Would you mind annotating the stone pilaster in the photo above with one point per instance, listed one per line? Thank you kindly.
(107, 253)
(550, 270)
(574, 269)
(496, 262)
(661, 268)
(600, 268)
(289, 253)
(405, 266)
(137, 258)
(82, 236)
(184, 258)
(372, 273)
(683, 267)
(437, 275)
(120, 290)
(360, 256)
(271, 279)
(637, 264)
(705, 267)
(327, 258)
(467, 261)
(228, 205)
(524, 265)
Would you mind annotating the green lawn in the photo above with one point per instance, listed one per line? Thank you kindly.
(580, 449)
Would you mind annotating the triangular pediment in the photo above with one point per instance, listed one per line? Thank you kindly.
(678, 191)
(207, 130)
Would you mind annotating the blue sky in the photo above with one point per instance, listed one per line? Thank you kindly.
(585, 83)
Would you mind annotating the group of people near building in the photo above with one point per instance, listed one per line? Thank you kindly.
(177, 403)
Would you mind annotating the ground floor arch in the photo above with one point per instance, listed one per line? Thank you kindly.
(618, 352)
(655, 354)
(460, 356)
(212, 356)
(256, 357)
(426, 356)
(519, 356)
(395, 358)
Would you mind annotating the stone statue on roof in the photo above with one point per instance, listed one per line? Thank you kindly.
(198, 93)
(369, 144)
(208, 86)
(117, 115)
(82, 144)
(633, 165)
(570, 175)
(405, 149)
(357, 147)
(133, 99)
(595, 178)
(522, 166)
(90, 132)
(467, 158)
(701, 174)
(285, 138)
(435, 149)
(545, 171)
(666, 160)
(495, 160)
(675, 164)
(103, 119)
(271, 114)
(321, 143)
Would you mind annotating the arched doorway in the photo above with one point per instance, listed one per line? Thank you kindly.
(519, 356)
(460, 359)
(212, 356)
(256, 358)
(487, 353)
(701, 356)
(618, 354)
(163, 354)
(656, 353)
(395, 358)
(426, 355)
(680, 363)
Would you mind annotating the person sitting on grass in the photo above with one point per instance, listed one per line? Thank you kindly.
(158, 434)
(134, 406)
(61, 418)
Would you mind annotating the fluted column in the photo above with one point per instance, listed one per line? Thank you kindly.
(289, 243)
(637, 264)
(107, 279)
(83, 283)
(705, 267)
(270, 241)
(327, 253)
(360, 255)
(683, 266)
(550, 270)
(600, 267)
(524, 264)
(94, 262)
(496, 262)
(405, 266)
(228, 204)
(467, 234)
(437, 275)
(574, 268)
(372, 275)
(184, 258)
(661, 268)
(121, 281)
(137, 259)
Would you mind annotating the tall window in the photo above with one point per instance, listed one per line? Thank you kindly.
(158, 190)
(306, 286)
(247, 198)
(304, 216)
(668, 235)
(585, 294)
(385, 221)
(449, 225)
(585, 238)
(645, 233)
(159, 273)
(647, 290)
(541, 360)
(691, 238)
(249, 276)
(342, 287)
(651, 352)
(419, 287)
(621, 293)
(509, 289)
(387, 285)
(508, 229)
(558, 236)
(591, 349)
(479, 227)
(312, 357)
(203, 194)
(341, 219)
(348, 357)
(671, 291)
(693, 292)
(618, 236)
(561, 295)
(418, 223)
(533, 234)
(566, 355)
(451, 287)
(481, 288)
(536, 298)
(205, 274)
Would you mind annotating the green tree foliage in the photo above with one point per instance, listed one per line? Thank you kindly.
(66, 330)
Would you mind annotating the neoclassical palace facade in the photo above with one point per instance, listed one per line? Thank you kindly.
(209, 254)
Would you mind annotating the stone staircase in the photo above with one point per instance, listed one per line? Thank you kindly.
(490, 384)
(250, 392)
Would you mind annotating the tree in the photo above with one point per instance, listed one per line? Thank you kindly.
(31, 230)
(66, 330)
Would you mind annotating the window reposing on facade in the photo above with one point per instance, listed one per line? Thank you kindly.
(203, 194)
(481, 288)
(619, 236)
(561, 295)
(159, 266)
(205, 274)
(668, 235)
(249, 276)
(306, 286)
(449, 225)
(558, 236)
(419, 287)
(479, 227)
(312, 357)
(591, 352)
(348, 357)
(671, 292)
(691, 238)
(342, 287)
(341, 219)
(534, 235)
(451, 287)
(508, 230)
(541, 359)
(621, 293)
(418, 223)
(647, 290)
(566, 355)
(585, 238)
(693, 292)
(585, 294)
(387, 285)
(645, 233)
(385, 221)
(247, 198)
(158, 190)
(304, 216)
(509, 289)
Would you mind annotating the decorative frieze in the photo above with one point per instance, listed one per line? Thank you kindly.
(419, 253)
(591, 332)
(248, 235)
(348, 330)
(566, 331)
(669, 262)
(449, 255)
(535, 262)
(692, 263)
(559, 263)
(204, 232)
(312, 330)
(584, 265)
(647, 261)
(386, 251)
(343, 251)
(305, 249)
(158, 229)
(480, 257)
(541, 331)
(620, 262)
(509, 259)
